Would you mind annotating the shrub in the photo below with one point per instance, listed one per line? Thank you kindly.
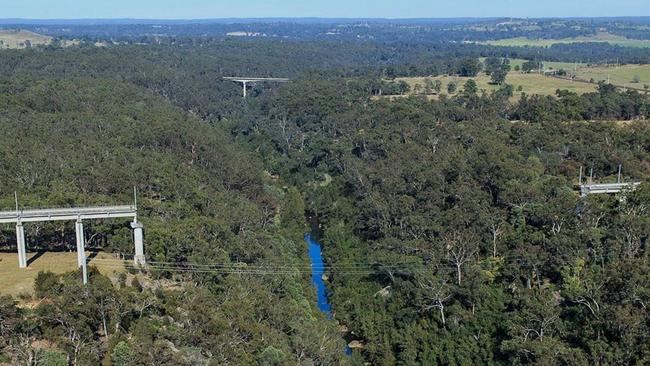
(51, 358)
(122, 354)
(46, 284)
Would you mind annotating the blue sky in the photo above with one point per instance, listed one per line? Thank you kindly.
(201, 9)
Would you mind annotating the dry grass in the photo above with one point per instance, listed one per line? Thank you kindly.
(620, 75)
(17, 38)
(529, 83)
(599, 37)
(548, 65)
(15, 281)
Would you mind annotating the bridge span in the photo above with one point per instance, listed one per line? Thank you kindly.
(78, 214)
(246, 80)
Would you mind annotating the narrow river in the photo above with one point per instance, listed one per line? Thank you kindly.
(317, 271)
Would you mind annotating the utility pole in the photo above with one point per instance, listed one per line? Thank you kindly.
(619, 173)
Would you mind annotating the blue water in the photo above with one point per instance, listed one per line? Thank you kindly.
(317, 271)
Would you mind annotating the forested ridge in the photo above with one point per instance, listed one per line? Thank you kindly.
(482, 251)
(459, 216)
(89, 140)
(188, 73)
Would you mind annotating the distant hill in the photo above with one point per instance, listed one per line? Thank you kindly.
(20, 38)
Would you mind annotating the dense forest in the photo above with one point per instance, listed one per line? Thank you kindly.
(89, 140)
(480, 250)
(452, 229)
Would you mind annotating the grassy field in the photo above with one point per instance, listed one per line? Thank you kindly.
(530, 84)
(617, 75)
(15, 281)
(17, 38)
(534, 83)
(548, 65)
(599, 37)
(621, 75)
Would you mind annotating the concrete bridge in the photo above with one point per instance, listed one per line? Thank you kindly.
(604, 188)
(78, 214)
(246, 80)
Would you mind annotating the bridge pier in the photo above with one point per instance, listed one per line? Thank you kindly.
(81, 250)
(138, 236)
(78, 214)
(20, 239)
(81, 245)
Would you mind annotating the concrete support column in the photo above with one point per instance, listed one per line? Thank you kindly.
(20, 238)
(81, 247)
(138, 240)
(84, 273)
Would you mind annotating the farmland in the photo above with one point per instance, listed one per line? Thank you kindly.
(548, 65)
(598, 37)
(631, 76)
(529, 83)
(19, 38)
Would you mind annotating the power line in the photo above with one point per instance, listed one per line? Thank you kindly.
(255, 271)
(273, 265)
(518, 261)
(345, 263)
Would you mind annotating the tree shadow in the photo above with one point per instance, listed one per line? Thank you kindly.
(35, 257)
(92, 255)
